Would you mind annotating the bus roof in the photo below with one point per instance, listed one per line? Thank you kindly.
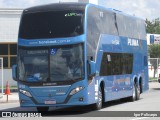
(70, 6)
(56, 7)
(115, 11)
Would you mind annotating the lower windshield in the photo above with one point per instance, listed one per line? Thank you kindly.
(52, 64)
(33, 65)
(66, 63)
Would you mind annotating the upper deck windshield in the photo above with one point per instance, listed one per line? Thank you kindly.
(51, 24)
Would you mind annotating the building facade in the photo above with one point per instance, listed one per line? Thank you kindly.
(9, 25)
(153, 39)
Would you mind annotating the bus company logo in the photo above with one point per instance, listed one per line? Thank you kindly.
(53, 41)
(133, 42)
(71, 14)
(47, 42)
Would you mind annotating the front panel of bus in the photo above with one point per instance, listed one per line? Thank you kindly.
(51, 58)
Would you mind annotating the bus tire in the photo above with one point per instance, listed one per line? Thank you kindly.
(98, 105)
(137, 92)
(133, 97)
(42, 109)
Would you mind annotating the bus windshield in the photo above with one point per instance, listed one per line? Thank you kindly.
(51, 24)
(57, 63)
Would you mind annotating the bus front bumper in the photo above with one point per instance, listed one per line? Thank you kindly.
(77, 99)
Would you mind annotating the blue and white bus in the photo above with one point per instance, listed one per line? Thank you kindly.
(74, 54)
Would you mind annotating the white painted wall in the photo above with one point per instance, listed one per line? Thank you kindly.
(7, 76)
(9, 25)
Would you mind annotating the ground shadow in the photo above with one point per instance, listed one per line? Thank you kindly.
(78, 111)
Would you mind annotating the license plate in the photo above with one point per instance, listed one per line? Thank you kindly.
(50, 102)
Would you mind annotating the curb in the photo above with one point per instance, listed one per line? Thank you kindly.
(153, 81)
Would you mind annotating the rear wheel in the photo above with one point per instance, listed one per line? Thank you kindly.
(98, 105)
(133, 97)
(42, 109)
(138, 92)
(135, 94)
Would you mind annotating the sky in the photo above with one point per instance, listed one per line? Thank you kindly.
(141, 8)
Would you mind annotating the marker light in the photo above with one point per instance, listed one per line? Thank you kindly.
(25, 93)
(75, 90)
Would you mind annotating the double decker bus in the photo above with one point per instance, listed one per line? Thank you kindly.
(75, 54)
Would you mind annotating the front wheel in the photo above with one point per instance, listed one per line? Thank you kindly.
(98, 105)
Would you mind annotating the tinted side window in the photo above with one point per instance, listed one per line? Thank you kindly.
(131, 27)
(108, 23)
(99, 22)
(116, 64)
(128, 63)
(93, 32)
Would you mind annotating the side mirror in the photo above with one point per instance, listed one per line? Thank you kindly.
(91, 68)
(14, 72)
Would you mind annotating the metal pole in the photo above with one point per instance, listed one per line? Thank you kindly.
(2, 76)
(7, 98)
(157, 69)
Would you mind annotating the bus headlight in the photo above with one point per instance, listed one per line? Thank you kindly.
(75, 90)
(25, 93)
